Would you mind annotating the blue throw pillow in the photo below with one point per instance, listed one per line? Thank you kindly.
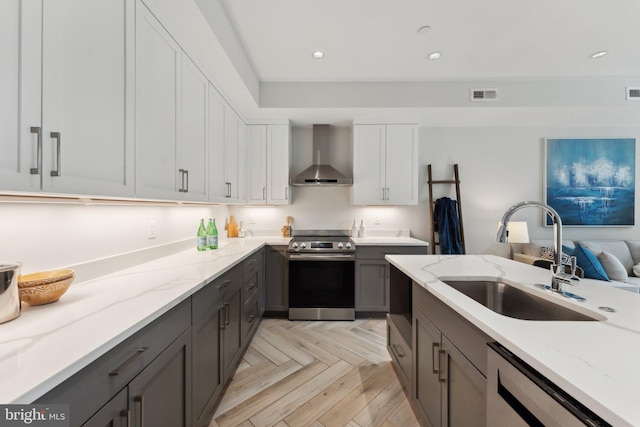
(589, 263)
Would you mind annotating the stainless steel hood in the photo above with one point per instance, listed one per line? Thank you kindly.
(321, 173)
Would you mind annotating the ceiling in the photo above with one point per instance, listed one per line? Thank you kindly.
(372, 47)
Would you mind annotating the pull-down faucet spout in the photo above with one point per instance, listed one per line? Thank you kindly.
(503, 237)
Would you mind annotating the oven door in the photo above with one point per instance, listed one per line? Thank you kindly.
(321, 286)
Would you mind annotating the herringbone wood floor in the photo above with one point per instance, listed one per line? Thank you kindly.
(298, 373)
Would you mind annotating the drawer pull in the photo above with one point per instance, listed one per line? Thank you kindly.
(57, 137)
(125, 416)
(251, 318)
(442, 375)
(140, 402)
(38, 169)
(251, 286)
(128, 362)
(434, 355)
(398, 352)
(225, 284)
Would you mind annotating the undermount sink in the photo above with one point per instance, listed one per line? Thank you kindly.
(510, 301)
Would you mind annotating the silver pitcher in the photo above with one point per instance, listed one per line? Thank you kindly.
(9, 295)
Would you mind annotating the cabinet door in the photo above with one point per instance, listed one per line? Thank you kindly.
(234, 156)
(161, 394)
(217, 185)
(464, 396)
(278, 164)
(113, 414)
(206, 367)
(372, 292)
(368, 165)
(157, 82)
(20, 93)
(87, 97)
(257, 164)
(192, 146)
(276, 289)
(428, 375)
(401, 165)
(231, 332)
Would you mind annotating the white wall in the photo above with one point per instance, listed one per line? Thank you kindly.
(499, 166)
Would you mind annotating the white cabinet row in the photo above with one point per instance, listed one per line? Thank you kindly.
(98, 99)
(268, 162)
(385, 164)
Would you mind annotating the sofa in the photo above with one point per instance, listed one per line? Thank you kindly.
(614, 261)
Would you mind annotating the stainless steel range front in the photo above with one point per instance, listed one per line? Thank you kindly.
(321, 275)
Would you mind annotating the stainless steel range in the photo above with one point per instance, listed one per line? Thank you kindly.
(321, 275)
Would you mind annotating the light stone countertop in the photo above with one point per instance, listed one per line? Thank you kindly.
(598, 363)
(48, 344)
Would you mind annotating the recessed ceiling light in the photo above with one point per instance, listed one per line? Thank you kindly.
(434, 55)
(599, 54)
(424, 29)
(318, 54)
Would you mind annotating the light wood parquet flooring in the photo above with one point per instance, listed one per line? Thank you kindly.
(319, 374)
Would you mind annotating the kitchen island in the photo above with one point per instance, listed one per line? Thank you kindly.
(596, 362)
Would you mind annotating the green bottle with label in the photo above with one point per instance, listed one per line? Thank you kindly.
(212, 234)
(201, 244)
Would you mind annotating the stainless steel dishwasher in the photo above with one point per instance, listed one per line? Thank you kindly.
(518, 395)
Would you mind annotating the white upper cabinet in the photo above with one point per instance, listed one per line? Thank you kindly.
(268, 164)
(73, 63)
(235, 156)
(256, 164)
(193, 142)
(385, 165)
(217, 184)
(278, 164)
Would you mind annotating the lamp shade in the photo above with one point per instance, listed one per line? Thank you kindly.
(518, 232)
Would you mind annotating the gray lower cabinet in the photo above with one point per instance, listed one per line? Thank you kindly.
(149, 372)
(449, 365)
(372, 276)
(277, 280)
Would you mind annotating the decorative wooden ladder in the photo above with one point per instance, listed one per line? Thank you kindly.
(432, 204)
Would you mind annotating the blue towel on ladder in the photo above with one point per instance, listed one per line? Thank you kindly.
(447, 224)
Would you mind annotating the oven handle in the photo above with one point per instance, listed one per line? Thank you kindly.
(321, 257)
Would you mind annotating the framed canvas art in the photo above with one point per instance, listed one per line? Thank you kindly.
(591, 181)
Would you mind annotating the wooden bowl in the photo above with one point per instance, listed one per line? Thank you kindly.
(45, 293)
(44, 277)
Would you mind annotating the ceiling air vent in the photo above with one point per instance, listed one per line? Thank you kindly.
(633, 94)
(484, 94)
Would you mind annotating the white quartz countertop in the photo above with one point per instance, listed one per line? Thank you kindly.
(388, 241)
(598, 363)
(48, 344)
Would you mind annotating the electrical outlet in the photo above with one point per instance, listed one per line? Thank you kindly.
(151, 230)
(376, 220)
(252, 219)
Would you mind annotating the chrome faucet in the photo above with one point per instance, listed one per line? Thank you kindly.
(558, 275)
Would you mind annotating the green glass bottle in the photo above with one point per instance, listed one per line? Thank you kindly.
(201, 244)
(212, 234)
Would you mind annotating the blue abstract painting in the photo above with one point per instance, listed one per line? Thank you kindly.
(591, 182)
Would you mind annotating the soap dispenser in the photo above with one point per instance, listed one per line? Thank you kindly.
(361, 230)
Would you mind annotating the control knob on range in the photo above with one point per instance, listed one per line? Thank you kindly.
(303, 245)
(348, 245)
(340, 246)
(294, 245)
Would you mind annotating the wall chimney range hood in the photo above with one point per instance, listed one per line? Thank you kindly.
(320, 173)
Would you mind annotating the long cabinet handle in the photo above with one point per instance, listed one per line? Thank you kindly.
(286, 193)
(38, 169)
(184, 174)
(264, 193)
(226, 313)
(128, 362)
(442, 376)
(435, 355)
(387, 194)
(58, 138)
(125, 416)
(140, 402)
(223, 316)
